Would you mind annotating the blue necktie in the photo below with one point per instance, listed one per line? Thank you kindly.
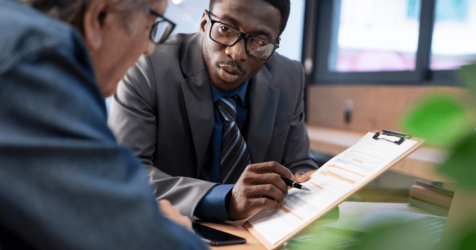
(234, 155)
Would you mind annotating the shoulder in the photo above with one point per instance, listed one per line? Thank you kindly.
(49, 53)
(286, 73)
(173, 49)
(165, 63)
(28, 34)
(175, 41)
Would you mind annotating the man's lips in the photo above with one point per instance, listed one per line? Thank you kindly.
(227, 76)
(231, 70)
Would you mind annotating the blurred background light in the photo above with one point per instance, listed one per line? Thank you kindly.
(177, 1)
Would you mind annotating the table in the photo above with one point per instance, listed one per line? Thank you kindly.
(347, 210)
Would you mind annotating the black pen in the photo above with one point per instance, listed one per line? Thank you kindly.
(294, 184)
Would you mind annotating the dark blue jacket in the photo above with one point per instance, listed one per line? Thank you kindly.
(65, 183)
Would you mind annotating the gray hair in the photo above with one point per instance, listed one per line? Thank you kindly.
(72, 11)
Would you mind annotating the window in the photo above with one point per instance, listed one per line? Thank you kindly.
(291, 39)
(393, 41)
(375, 36)
(454, 35)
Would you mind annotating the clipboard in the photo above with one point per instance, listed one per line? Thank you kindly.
(383, 135)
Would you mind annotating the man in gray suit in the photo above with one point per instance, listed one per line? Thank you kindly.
(219, 106)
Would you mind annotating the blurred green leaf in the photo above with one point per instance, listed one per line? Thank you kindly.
(441, 120)
(461, 165)
(318, 241)
(388, 236)
(467, 76)
(396, 237)
(468, 242)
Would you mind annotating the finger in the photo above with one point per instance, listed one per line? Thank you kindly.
(272, 167)
(164, 203)
(274, 179)
(167, 209)
(173, 214)
(187, 223)
(269, 191)
(174, 209)
(165, 206)
(311, 172)
(301, 177)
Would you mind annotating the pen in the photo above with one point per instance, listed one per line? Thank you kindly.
(294, 184)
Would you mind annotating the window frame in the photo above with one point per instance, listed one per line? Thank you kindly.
(324, 39)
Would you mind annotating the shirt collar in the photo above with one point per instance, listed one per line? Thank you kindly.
(240, 91)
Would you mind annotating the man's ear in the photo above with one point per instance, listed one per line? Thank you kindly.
(203, 23)
(93, 22)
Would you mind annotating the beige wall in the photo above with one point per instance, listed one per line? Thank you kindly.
(375, 107)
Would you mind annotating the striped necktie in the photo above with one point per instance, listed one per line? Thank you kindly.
(234, 155)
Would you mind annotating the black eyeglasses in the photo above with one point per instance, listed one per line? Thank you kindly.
(161, 29)
(227, 35)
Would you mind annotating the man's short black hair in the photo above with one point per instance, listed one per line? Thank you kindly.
(284, 7)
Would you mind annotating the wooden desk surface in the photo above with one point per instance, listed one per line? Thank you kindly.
(421, 164)
(346, 209)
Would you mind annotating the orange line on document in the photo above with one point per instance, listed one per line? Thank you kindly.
(339, 177)
(290, 212)
(334, 166)
(316, 185)
(359, 161)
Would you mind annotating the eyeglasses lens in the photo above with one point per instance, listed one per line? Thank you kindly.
(160, 31)
(224, 34)
(260, 48)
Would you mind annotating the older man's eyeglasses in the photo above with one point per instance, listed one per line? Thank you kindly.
(161, 29)
(227, 35)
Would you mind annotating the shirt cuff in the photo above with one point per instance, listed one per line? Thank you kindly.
(213, 206)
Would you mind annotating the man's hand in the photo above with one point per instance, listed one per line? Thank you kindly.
(173, 214)
(249, 194)
(303, 177)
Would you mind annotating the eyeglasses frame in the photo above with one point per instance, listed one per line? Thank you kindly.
(243, 36)
(154, 13)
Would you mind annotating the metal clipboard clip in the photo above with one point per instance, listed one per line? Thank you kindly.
(402, 136)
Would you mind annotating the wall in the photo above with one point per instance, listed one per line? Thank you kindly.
(375, 107)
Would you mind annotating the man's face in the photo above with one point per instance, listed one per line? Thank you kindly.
(230, 67)
(121, 47)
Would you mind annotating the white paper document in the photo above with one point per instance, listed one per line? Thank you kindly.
(341, 175)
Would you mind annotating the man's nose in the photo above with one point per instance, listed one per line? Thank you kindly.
(238, 51)
(149, 48)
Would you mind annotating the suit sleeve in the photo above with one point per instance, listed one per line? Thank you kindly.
(64, 181)
(297, 156)
(133, 120)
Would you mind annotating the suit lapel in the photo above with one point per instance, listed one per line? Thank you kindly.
(198, 98)
(263, 106)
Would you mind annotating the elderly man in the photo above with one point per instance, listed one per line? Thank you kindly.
(220, 115)
(65, 183)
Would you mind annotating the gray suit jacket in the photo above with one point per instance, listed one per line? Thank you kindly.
(163, 110)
